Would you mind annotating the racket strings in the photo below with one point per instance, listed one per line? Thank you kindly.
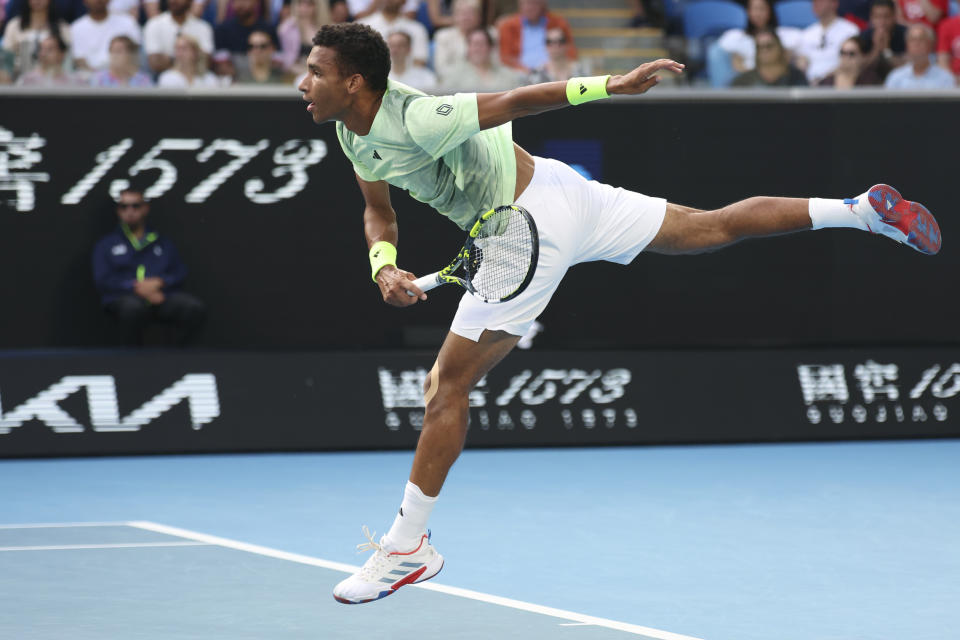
(502, 254)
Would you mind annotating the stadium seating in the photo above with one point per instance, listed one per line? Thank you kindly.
(703, 22)
(795, 13)
(711, 18)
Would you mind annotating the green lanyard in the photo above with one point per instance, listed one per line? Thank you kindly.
(137, 245)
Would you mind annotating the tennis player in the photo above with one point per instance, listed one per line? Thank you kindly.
(456, 153)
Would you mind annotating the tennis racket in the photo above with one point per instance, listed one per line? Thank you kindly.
(499, 257)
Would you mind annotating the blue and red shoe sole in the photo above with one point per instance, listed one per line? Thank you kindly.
(912, 219)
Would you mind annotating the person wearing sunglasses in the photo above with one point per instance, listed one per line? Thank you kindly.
(259, 66)
(139, 275)
(232, 34)
(853, 70)
(818, 52)
(559, 65)
(773, 68)
(522, 36)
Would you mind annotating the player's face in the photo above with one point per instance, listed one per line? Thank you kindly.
(324, 87)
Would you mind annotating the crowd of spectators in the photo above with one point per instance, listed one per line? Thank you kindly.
(896, 46)
(454, 44)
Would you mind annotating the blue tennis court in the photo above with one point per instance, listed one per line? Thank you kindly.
(853, 540)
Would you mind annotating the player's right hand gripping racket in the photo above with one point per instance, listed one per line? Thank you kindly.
(499, 257)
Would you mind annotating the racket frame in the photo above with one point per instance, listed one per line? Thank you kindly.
(444, 276)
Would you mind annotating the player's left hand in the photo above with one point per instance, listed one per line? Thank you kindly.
(643, 78)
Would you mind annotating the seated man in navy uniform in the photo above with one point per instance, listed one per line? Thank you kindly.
(139, 275)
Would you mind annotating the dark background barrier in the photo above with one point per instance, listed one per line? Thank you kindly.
(163, 402)
(275, 243)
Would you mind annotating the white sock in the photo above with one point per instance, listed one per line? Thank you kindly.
(829, 213)
(411, 521)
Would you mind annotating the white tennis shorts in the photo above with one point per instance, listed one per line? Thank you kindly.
(578, 220)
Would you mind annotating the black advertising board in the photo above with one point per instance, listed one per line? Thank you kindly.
(83, 403)
(265, 211)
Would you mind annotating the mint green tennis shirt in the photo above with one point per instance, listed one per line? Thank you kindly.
(432, 147)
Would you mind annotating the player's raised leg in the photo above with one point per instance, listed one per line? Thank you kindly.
(880, 210)
(404, 555)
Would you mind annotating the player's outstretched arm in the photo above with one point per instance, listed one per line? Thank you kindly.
(498, 108)
(380, 226)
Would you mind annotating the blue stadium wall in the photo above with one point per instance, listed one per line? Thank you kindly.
(750, 343)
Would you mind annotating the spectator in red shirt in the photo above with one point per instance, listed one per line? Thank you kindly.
(929, 12)
(948, 45)
(523, 36)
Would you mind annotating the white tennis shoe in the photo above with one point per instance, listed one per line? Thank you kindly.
(884, 211)
(388, 569)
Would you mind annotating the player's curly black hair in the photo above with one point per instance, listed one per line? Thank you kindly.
(360, 49)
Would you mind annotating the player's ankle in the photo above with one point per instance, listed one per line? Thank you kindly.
(828, 213)
(411, 521)
(402, 545)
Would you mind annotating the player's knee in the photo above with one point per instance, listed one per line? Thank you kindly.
(444, 392)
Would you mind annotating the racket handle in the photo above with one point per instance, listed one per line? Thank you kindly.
(427, 282)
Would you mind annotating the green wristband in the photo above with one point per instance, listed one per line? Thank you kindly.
(580, 90)
(381, 254)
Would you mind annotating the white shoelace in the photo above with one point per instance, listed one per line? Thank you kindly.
(370, 544)
(379, 564)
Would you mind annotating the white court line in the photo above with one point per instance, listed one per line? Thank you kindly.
(115, 545)
(62, 525)
(441, 588)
